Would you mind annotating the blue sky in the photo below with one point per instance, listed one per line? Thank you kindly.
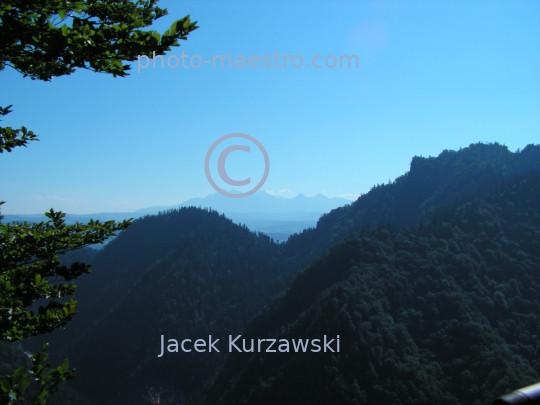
(432, 75)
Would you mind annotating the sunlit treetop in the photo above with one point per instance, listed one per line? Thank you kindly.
(46, 38)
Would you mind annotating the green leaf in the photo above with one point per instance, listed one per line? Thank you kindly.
(5, 384)
(25, 382)
(17, 375)
(65, 364)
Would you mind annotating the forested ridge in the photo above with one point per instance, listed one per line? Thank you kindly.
(430, 183)
(192, 272)
(447, 312)
(212, 283)
(177, 273)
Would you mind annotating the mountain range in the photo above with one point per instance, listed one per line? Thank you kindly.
(431, 282)
(444, 312)
(276, 216)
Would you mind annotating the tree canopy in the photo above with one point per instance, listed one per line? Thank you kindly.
(42, 39)
(48, 38)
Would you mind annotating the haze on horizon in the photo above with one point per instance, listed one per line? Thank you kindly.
(431, 76)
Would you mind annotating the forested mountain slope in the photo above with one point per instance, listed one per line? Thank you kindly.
(195, 272)
(213, 279)
(430, 183)
(447, 312)
(117, 267)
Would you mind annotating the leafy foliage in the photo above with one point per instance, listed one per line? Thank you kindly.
(31, 272)
(11, 138)
(48, 38)
(47, 379)
(12, 356)
(42, 40)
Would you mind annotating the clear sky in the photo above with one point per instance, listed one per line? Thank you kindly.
(432, 75)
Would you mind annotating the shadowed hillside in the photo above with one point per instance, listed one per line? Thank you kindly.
(192, 272)
(430, 183)
(445, 313)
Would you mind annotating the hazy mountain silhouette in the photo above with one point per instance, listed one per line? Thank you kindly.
(260, 202)
(261, 212)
